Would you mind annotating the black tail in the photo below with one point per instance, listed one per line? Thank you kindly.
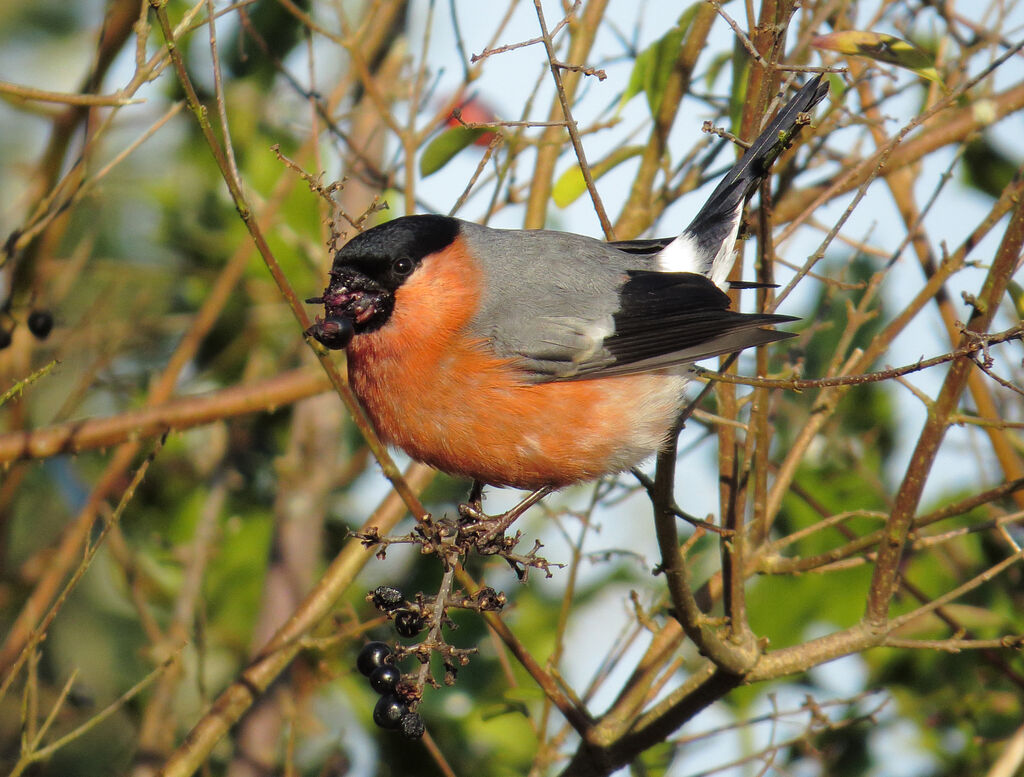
(746, 175)
(715, 225)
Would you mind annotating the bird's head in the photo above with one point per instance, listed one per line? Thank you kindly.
(369, 269)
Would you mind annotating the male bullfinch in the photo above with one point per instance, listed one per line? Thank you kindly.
(539, 358)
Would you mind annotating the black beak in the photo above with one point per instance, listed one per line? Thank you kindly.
(334, 333)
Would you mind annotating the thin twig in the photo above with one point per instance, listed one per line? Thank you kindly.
(799, 384)
(570, 125)
(28, 93)
(487, 52)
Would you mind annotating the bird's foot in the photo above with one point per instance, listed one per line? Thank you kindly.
(488, 530)
(485, 534)
(472, 509)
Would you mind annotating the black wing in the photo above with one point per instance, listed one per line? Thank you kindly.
(670, 319)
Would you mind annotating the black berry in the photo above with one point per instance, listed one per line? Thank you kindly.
(387, 598)
(5, 339)
(389, 711)
(411, 725)
(408, 623)
(385, 678)
(40, 322)
(333, 333)
(373, 655)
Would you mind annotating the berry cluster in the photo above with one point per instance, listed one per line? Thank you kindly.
(409, 621)
(391, 711)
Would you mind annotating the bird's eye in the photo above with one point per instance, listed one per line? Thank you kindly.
(403, 265)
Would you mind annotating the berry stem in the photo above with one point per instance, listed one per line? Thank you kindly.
(436, 619)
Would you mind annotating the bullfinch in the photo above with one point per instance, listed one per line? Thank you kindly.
(535, 358)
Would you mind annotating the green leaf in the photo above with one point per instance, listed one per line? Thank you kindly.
(570, 184)
(446, 145)
(741, 64)
(882, 48)
(657, 759)
(658, 67)
(654, 64)
(718, 62)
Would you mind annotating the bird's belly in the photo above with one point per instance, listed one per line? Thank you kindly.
(470, 414)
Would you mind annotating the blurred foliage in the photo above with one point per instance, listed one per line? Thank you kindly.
(988, 168)
(263, 39)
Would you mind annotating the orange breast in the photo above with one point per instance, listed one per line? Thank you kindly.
(447, 400)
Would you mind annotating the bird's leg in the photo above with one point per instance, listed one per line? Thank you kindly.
(473, 507)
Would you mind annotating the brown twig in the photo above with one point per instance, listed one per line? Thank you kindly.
(885, 578)
(388, 466)
(582, 34)
(971, 347)
(279, 651)
(179, 414)
(570, 124)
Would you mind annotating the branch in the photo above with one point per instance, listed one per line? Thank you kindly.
(732, 658)
(549, 145)
(956, 593)
(282, 648)
(960, 124)
(642, 207)
(886, 574)
(19, 92)
(340, 384)
(972, 345)
(183, 413)
(570, 124)
(770, 563)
